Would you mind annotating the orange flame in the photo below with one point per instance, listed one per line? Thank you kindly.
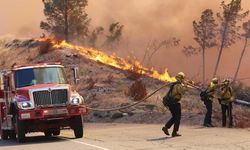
(114, 61)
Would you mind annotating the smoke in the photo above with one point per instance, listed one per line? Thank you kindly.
(144, 20)
(147, 20)
(156, 18)
(21, 18)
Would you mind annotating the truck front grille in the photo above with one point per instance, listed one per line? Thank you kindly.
(50, 97)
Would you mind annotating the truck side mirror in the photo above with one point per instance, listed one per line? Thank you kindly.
(75, 73)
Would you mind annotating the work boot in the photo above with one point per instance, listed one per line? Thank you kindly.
(165, 130)
(174, 134)
(211, 125)
(206, 125)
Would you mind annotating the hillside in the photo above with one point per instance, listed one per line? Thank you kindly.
(103, 86)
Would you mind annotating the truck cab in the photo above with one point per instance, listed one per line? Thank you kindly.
(38, 98)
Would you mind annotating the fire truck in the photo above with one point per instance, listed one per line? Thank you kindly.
(38, 98)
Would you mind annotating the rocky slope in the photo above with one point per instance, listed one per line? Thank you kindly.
(106, 87)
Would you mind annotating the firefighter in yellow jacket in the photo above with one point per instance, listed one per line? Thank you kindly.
(175, 93)
(226, 98)
(209, 102)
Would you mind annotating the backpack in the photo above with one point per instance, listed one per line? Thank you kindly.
(227, 97)
(168, 100)
(204, 95)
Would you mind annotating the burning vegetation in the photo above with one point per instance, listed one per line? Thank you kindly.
(45, 46)
(112, 60)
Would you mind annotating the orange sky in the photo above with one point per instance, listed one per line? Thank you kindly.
(143, 20)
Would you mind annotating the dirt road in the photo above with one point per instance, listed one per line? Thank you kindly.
(137, 137)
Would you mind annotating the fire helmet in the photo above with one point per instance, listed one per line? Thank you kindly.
(180, 76)
(215, 80)
(226, 82)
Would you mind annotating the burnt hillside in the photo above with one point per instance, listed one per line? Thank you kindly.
(103, 86)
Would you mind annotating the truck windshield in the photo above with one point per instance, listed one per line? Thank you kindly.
(33, 76)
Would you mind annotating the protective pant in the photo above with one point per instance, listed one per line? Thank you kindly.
(175, 110)
(227, 112)
(208, 116)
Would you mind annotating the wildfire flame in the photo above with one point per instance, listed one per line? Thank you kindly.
(114, 61)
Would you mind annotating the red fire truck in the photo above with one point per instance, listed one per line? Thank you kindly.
(38, 98)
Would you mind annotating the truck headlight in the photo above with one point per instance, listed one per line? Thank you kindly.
(25, 105)
(76, 100)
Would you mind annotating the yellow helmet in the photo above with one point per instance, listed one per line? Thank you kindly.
(180, 76)
(215, 80)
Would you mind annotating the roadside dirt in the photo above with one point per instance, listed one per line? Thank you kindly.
(116, 136)
(148, 137)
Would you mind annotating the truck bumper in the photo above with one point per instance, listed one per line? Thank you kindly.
(50, 113)
(51, 118)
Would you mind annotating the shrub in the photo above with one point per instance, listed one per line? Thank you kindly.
(45, 46)
(137, 90)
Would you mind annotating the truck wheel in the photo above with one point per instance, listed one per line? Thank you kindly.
(56, 132)
(48, 133)
(20, 127)
(77, 126)
(4, 134)
(12, 134)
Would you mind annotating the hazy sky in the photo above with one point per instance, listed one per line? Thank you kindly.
(143, 20)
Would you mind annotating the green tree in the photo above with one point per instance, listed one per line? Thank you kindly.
(154, 46)
(115, 34)
(94, 36)
(246, 35)
(205, 35)
(66, 19)
(228, 26)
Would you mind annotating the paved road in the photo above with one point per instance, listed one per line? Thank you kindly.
(137, 137)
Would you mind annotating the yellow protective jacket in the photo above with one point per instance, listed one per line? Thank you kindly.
(211, 91)
(178, 91)
(226, 95)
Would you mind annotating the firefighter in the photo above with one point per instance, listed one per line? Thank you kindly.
(225, 99)
(175, 93)
(209, 102)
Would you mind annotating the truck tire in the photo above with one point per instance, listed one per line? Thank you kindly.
(48, 133)
(4, 134)
(56, 132)
(20, 129)
(12, 134)
(77, 126)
